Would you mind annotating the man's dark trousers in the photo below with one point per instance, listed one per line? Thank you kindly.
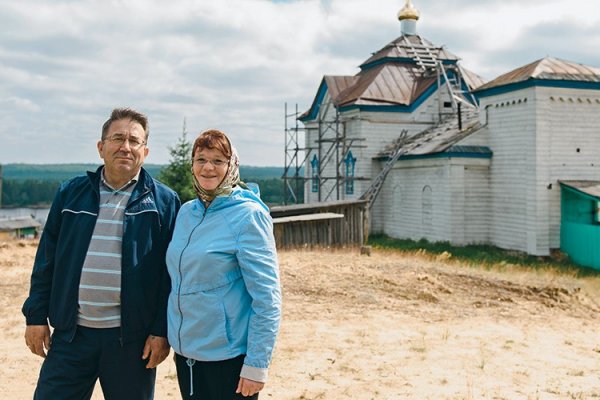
(71, 368)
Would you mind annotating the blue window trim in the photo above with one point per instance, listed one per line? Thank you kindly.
(315, 174)
(350, 162)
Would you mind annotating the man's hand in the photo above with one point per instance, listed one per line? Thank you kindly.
(37, 338)
(248, 387)
(157, 349)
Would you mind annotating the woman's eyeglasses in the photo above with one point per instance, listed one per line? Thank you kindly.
(216, 163)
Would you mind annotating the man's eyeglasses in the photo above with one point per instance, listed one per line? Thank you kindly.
(216, 163)
(135, 143)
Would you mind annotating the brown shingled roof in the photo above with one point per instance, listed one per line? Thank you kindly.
(547, 68)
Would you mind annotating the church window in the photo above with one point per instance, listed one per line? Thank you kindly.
(350, 162)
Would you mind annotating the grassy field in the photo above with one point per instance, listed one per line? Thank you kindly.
(484, 256)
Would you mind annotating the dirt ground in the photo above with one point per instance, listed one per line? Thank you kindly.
(389, 326)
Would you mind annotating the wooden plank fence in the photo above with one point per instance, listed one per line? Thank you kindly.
(326, 224)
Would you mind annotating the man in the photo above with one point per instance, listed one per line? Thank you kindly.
(99, 277)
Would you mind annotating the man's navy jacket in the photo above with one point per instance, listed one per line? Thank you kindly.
(147, 228)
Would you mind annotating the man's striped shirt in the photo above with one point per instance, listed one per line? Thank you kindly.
(100, 284)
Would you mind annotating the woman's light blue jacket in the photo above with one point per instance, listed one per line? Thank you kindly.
(225, 296)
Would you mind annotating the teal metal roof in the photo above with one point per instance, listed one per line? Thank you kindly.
(590, 189)
(456, 152)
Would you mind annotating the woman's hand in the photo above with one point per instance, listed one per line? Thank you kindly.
(249, 387)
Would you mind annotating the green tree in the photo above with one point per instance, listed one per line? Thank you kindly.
(177, 174)
(28, 192)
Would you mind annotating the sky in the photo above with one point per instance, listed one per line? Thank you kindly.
(232, 65)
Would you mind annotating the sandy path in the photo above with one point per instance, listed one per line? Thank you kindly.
(390, 326)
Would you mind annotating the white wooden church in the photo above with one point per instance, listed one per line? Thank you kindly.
(471, 161)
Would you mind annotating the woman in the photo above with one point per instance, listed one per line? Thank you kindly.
(225, 301)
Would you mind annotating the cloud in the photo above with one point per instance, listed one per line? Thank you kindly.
(20, 104)
(233, 64)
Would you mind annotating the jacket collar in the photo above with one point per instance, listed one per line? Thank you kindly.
(145, 182)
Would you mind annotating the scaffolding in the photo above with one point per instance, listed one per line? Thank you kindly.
(332, 145)
(426, 58)
(331, 148)
(295, 159)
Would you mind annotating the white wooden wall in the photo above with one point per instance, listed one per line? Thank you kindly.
(438, 199)
(534, 134)
(511, 124)
(477, 202)
(568, 148)
(538, 136)
(377, 129)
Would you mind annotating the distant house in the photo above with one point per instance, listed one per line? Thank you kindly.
(22, 227)
(480, 162)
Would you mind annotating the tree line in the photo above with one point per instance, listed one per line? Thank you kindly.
(40, 193)
(28, 192)
(30, 185)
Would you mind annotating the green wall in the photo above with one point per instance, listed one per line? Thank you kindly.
(579, 228)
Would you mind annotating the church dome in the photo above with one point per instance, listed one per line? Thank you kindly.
(408, 12)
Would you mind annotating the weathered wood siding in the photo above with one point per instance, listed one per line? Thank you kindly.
(346, 231)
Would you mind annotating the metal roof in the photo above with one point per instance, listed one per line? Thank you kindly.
(438, 138)
(390, 84)
(391, 77)
(399, 47)
(337, 84)
(386, 84)
(591, 188)
(18, 223)
(471, 78)
(547, 68)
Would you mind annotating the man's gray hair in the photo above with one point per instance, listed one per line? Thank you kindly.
(126, 113)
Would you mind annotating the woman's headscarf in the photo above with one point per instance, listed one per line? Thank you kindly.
(231, 179)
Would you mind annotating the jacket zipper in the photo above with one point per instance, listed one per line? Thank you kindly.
(180, 279)
(97, 193)
(144, 193)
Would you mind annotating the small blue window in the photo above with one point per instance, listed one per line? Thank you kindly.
(315, 174)
(350, 162)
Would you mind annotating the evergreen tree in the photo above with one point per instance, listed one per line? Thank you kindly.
(178, 175)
